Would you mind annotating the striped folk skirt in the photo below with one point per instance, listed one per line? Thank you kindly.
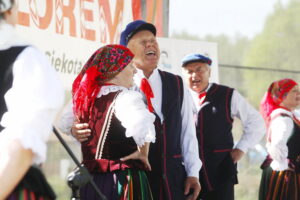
(130, 184)
(279, 185)
(33, 186)
(25, 194)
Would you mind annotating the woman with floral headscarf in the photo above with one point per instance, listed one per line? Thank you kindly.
(116, 153)
(281, 169)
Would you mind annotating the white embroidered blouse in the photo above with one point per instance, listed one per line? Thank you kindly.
(129, 109)
(133, 114)
(281, 129)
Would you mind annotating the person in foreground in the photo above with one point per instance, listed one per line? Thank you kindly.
(174, 161)
(215, 108)
(281, 169)
(30, 97)
(121, 126)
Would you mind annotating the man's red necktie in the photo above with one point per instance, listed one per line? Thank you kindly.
(146, 88)
(202, 96)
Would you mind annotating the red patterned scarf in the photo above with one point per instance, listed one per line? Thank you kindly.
(272, 99)
(101, 67)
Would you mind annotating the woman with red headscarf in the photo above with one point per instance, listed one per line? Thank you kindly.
(116, 153)
(281, 169)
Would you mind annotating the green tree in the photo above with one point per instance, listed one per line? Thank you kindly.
(230, 50)
(276, 47)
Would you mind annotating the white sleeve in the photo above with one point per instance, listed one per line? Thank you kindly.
(297, 114)
(33, 101)
(66, 119)
(135, 117)
(189, 142)
(253, 124)
(281, 129)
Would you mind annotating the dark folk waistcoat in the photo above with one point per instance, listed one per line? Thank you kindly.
(215, 138)
(7, 58)
(108, 143)
(168, 174)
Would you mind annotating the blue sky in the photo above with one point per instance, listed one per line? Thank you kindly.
(231, 17)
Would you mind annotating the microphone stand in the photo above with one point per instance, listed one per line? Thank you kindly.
(80, 176)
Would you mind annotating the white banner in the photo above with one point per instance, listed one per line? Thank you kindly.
(69, 31)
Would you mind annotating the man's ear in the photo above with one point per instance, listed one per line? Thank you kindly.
(209, 71)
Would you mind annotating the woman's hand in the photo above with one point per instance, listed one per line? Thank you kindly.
(140, 154)
(81, 131)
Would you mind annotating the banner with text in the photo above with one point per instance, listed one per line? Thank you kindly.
(69, 31)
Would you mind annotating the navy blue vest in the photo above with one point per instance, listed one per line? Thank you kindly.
(294, 147)
(215, 138)
(7, 58)
(168, 174)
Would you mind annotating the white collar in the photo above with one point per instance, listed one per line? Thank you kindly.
(196, 94)
(140, 75)
(281, 111)
(154, 76)
(110, 88)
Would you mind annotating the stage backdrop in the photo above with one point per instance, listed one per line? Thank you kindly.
(69, 31)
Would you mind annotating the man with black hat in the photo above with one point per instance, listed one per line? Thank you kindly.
(215, 107)
(169, 100)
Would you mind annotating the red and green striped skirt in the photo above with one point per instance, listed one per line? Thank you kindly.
(129, 184)
(279, 185)
(25, 194)
(33, 186)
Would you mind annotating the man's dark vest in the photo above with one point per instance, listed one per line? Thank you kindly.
(7, 58)
(103, 150)
(168, 174)
(215, 138)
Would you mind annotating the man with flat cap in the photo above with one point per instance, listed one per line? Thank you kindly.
(173, 157)
(169, 100)
(215, 108)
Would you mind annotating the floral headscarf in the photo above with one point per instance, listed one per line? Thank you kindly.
(101, 67)
(272, 99)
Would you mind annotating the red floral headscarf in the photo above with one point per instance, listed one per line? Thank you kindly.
(272, 99)
(101, 67)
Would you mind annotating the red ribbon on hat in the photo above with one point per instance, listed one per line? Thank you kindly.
(146, 88)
